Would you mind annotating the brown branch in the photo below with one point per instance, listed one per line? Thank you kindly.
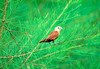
(4, 17)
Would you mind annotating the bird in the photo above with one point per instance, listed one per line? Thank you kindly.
(53, 35)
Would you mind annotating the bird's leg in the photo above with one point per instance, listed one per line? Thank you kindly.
(49, 43)
(53, 41)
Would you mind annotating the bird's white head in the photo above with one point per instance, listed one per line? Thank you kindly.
(58, 28)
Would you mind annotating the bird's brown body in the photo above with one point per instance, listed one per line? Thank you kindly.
(53, 35)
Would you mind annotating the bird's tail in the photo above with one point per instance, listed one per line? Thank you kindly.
(43, 41)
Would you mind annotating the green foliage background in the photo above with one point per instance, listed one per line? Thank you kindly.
(23, 23)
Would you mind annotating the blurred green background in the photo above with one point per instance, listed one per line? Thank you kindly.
(23, 23)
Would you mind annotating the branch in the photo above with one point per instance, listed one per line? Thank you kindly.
(12, 36)
(24, 54)
(16, 56)
(4, 17)
(48, 55)
(48, 48)
(42, 65)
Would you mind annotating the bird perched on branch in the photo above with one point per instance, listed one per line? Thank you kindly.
(53, 35)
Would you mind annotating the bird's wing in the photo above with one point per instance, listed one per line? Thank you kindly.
(53, 35)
